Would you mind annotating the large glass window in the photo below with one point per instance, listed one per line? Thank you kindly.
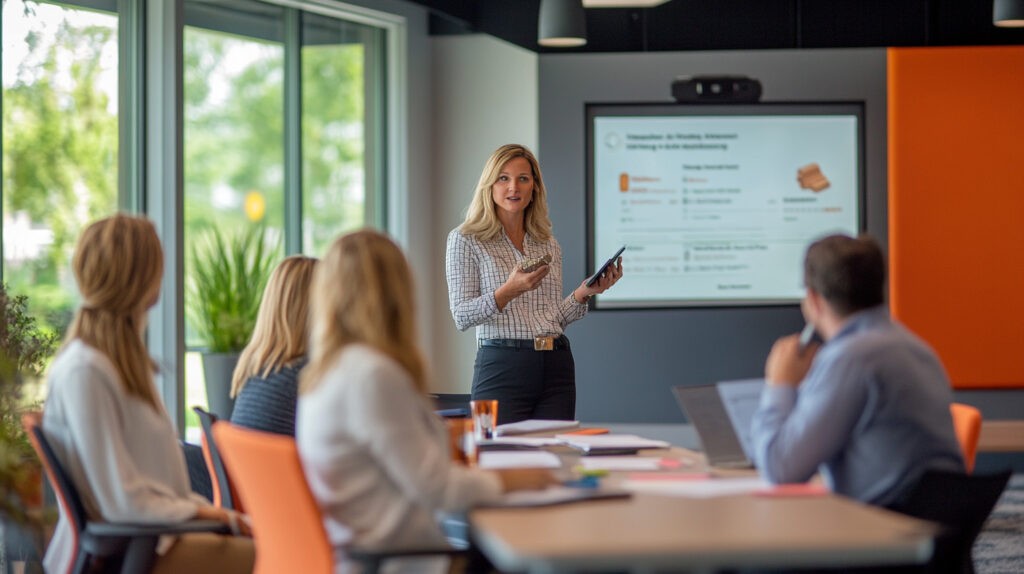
(283, 137)
(60, 138)
(342, 119)
(283, 129)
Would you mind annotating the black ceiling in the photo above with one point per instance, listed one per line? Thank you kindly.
(739, 24)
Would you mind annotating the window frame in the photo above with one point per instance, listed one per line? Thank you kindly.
(151, 153)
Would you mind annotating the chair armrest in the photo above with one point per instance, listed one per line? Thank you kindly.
(131, 530)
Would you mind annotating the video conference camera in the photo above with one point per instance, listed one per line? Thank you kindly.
(716, 89)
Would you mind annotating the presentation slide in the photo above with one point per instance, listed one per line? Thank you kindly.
(719, 209)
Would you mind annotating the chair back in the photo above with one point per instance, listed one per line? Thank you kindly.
(287, 525)
(960, 503)
(967, 425)
(223, 490)
(67, 495)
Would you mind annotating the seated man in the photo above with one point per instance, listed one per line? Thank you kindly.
(870, 409)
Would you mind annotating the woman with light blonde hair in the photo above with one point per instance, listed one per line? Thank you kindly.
(504, 271)
(105, 419)
(375, 454)
(265, 381)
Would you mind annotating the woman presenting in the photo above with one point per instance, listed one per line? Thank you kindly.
(523, 357)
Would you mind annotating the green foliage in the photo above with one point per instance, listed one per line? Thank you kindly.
(60, 141)
(24, 350)
(225, 286)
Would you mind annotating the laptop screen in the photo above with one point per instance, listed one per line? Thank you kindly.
(704, 408)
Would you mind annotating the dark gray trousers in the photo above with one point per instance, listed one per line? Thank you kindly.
(528, 384)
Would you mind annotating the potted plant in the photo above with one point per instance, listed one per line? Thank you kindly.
(24, 350)
(224, 291)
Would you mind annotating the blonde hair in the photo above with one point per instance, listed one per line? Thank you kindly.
(281, 330)
(481, 217)
(362, 293)
(118, 265)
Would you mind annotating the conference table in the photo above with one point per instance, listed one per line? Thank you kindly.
(651, 532)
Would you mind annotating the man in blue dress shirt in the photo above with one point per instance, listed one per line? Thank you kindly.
(869, 409)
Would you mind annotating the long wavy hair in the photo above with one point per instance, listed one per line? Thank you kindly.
(482, 218)
(363, 293)
(282, 323)
(118, 265)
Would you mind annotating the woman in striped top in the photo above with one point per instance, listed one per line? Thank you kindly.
(265, 382)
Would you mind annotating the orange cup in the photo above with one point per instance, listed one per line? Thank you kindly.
(485, 416)
(461, 441)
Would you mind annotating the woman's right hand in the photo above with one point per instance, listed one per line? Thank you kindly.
(238, 523)
(519, 282)
(526, 479)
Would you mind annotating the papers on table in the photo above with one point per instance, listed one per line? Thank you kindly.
(556, 495)
(523, 441)
(696, 486)
(494, 460)
(534, 425)
(634, 463)
(591, 444)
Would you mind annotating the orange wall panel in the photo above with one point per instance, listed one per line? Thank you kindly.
(956, 207)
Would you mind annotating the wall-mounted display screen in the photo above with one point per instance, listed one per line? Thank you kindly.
(716, 204)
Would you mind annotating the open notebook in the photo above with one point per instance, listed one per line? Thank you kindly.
(722, 414)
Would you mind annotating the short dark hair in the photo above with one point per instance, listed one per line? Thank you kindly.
(849, 273)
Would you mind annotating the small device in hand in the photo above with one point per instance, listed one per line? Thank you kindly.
(531, 265)
(597, 276)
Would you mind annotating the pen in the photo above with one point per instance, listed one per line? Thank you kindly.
(805, 337)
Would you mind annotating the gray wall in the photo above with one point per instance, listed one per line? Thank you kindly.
(484, 95)
(626, 361)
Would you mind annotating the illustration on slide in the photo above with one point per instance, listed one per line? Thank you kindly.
(810, 177)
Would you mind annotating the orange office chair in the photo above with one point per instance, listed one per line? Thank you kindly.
(967, 425)
(286, 522)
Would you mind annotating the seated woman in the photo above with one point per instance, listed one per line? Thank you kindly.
(265, 382)
(103, 414)
(375, 454)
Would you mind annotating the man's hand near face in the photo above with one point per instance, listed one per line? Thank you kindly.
(787, 364)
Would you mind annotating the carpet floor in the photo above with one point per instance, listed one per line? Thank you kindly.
(999, 548)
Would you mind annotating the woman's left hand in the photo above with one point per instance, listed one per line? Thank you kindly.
(607, 279)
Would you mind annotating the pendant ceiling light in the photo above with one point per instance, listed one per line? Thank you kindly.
(561, 24)
(1008, 13)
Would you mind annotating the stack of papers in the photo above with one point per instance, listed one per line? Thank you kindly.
(534, 425)
(695, 486)
(494, 460)
(593, 444)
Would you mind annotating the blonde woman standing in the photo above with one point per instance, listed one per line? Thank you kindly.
(104, 418)
(523, 356)
(375, 455)
(266, 380)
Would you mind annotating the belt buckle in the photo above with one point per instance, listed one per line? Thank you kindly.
(543, 343)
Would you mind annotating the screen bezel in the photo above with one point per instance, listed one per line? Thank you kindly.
(595, 110)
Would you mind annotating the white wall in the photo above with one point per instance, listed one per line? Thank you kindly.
(484, 94)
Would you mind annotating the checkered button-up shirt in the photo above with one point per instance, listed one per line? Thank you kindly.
(476, 269)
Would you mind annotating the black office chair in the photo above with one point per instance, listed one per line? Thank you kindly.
(222, 491)
(451, 405)
(104, 546)
(960, 503)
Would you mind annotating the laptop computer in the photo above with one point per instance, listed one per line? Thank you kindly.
(722, 416)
